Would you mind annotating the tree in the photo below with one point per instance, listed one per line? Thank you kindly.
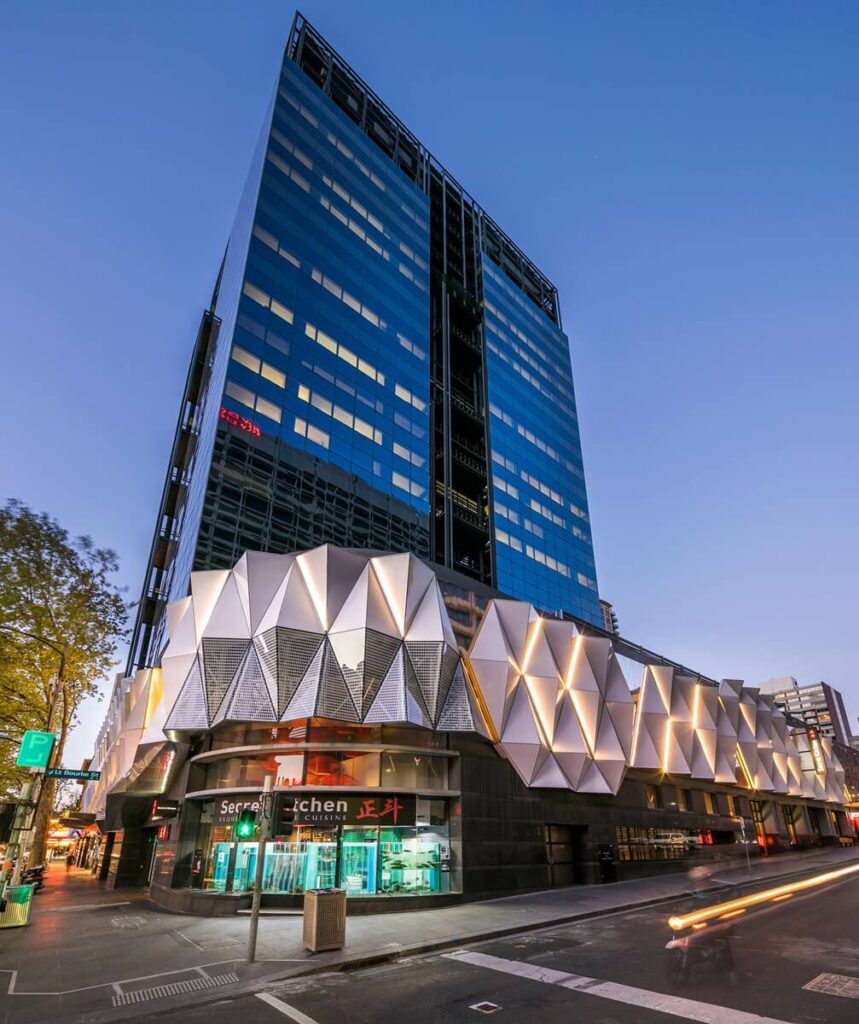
(60, 611)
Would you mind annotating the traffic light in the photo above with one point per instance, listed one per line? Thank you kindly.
(246, 823)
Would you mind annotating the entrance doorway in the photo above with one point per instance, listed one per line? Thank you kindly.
(564, 849)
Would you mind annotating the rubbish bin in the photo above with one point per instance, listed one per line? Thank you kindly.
(17, 910)
(324, 919)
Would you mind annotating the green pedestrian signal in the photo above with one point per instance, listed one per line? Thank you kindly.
(35, 750)
(246, 823)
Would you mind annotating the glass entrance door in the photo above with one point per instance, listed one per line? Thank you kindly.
(358, 859)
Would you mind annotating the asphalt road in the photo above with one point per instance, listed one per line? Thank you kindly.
(536, 978)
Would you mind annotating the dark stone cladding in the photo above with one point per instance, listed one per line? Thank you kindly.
(265, 495)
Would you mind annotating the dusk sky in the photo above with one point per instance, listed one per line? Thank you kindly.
(686, 173)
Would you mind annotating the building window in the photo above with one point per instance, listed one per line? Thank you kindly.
(651, 794)
(684, 800)
(732, 806)
(709, 803)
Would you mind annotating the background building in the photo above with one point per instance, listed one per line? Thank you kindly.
(609, 618)
(380, 367)
(820, 706)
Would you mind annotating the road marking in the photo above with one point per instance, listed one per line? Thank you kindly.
(691, 1009)
(285, 1008)
(175, 988)
(835, 985)
(86, 906)
(106, 984)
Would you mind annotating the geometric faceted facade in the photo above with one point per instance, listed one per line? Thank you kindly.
(341, 634)
(558, 702)
(560, 708)
(329, 633)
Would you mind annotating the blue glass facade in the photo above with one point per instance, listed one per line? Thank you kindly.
(389, 370)
(542, 539)
(331, 348)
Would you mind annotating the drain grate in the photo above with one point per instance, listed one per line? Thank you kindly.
(485, 1007)
(834, 985)
(175, 988)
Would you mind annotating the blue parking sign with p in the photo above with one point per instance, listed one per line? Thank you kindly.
(35, 749)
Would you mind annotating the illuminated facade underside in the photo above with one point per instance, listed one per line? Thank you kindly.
(345, 635)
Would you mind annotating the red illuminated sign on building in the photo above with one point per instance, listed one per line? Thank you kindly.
(237, 420)
(391, 809)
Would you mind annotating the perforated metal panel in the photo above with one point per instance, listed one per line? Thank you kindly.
(189, 711)
(296, 650)
(303, 703)
(334, 699)
(425, 658)
(456, 715)
(416, 711)
(389, 704)
(250, 700)
(379, 653)
(221, 659)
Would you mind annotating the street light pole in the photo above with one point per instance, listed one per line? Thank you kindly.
(266, 812)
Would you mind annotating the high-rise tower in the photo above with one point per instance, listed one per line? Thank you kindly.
(380, 367)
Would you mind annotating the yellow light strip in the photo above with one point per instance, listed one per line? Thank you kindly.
(571, 668)
(766, 896)
(536, 629)
(666, 745)
(749, 781)
(695, 701)
(471, 676)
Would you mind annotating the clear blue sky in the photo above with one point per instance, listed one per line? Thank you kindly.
(686, 172)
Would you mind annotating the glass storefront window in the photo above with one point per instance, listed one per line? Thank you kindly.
(365, 861)
(241, 772)
(342, 768)
(323, 731)
(410, 862)
(255, 735)
(414, 771)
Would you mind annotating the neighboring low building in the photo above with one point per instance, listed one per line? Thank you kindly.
(609, 618)
(408, 763)
(820, 706)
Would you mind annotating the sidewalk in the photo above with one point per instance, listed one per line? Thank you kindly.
(76, 888)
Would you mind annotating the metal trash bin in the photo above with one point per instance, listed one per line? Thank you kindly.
(19, 899)
(324, 919)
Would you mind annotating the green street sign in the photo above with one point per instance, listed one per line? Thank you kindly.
(35, 749)
(73, 773)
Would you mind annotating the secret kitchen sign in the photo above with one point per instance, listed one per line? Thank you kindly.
(323, 808)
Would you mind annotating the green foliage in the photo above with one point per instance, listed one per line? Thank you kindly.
(58, 604)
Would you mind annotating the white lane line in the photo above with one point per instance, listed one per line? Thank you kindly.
(285, 1009)
(86, 906)
(690, 1009)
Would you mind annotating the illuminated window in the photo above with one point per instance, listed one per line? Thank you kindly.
(652, 797)
(285, 169)
(412, 255)
(709, 803)
(290, 148)
(347, 299)
(269, 409)
(258, 295)
(505, 538)
(312, 433)
(268, 239)
(732, 806)
(347, 152)
(405, 484)
(405, 395)
(240, 394)
(273, 374)
(410, 346)
(409, 456)
(326, 341)
(305, 113)
(245, 358)
(357, 206)
(348, 419)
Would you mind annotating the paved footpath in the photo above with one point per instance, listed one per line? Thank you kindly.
(87, 948)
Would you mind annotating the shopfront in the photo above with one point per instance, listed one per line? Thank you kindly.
(370, 844)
